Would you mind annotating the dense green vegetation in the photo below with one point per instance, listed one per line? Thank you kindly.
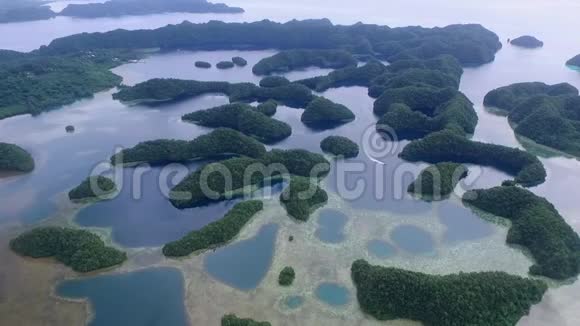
(456, 114)
(220, 142)
(239, 61)
(286, 277)
(527, 41)
(69, 129)
(339, 146)
(448, 146)
(438, 181)
(484, 298)
(546, 114)
(244, 118)
(94, 187)
(274, 81)
(225, 65)
(509, 97)
(15, 159)
(350, 76)
(469, 44)
(537, 226)
(575, 61)
(79, 249)
(302, 197)
(322, 113)
(217, 233)
(154, 152)
(227, 179)
(424, 99)
(33, 84)
(224, 141)
(233, 320)
(268, 108)
(299, 162)
(289, 60)
(157, 91)
(203, 64)
(115, 8)
(77, 66)
(234, 177)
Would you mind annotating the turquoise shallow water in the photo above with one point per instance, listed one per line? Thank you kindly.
(333, 294)
(331, 226)
(243, 265)
(152, 297)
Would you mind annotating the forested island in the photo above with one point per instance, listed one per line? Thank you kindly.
(574, 62)
(217, 233)
(225, 65)
(438, 181)
(536, 225)
(202, 64)
(79, 249)
(218, 143)
(14, 158)
(24, 10)
(546, 114)
(447, 146)
(274, 81)
(93, 188)
(158, 91)
(233, 320)
(527, 41)
(484, 298)
(287, 276)
(339, 146)
(244, 118)
(302, 197)
(116, 8)
(33, 83)
(289, 60)
(239, 61)
(273, 167)
(322, 113)
(77, 66)
(470, 44)
(351, 76)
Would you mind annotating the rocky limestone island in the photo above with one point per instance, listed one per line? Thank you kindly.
(527, 41)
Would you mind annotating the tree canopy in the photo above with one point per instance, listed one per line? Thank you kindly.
(483, 298)
(15, 158)
(289, 60)
(93, 187)
(438, 180)
(536, 225)
(322, 113)
(79, 249)
(302, 197)
(217, 233)
(339, 146)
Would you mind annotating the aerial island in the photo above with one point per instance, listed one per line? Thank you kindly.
(244, 118)
(339, 146)
(287, 276)
(273, 167)
(484, 298)
(574, 62)
(546, 114)
(202, 64)
(82, 62)
(536, 225)
(217, 233)
(438, 180)
(81, 250)
(93, 188)
(24, 10)
(527, 41)
(448, 146)
(14, 158)
(116, 8)
(322, 113)
(302, 197)
(289, 60)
